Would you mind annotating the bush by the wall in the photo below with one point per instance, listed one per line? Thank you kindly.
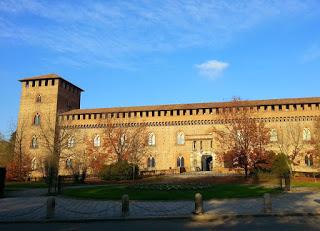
(2, 181)
(121, 170)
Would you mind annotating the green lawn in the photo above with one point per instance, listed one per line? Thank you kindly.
(24, 185)
(114, 192)
(306, 184)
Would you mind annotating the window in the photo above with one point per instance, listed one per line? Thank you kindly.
(123, 139)
(34, 142)
(151, 163)
(34, 164)
(180, 162)
(306, 134)
(201, 145)
(180, 138)
(239, 135)
(38, 99)
(273, 135)
(71, 142)
(151, 139)
(308, 159)
(68, 163)
(36, 119)
(194, 145)
(96, 141)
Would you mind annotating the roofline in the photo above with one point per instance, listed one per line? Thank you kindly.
(48, 76)
(242, 103)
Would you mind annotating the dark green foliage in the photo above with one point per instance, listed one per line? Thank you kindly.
(121, 170)
(281, 166)
(2, 181)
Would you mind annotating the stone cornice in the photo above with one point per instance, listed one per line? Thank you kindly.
(191, 122)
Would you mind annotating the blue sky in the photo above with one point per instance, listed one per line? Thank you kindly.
(126, 53)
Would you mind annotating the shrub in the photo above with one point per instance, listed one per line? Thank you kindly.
(121, 170)
(281, 166)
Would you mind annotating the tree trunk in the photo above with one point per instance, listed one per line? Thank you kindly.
(287, 183)
(246, 170)
(133, 172)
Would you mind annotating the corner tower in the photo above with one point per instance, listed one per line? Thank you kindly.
(42, 99)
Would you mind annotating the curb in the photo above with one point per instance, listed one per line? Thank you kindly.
(196, 218)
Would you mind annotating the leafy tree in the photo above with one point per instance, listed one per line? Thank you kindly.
(281, 167)
(243, 137)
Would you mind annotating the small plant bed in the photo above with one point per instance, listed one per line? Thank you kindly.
(169, 191)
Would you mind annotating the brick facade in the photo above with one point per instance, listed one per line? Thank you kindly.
(60, 106)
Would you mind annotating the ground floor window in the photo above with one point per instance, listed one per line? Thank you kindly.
(308, 160)
(180, 162)
(151, 162)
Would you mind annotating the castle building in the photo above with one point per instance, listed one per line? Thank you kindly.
(180, 135)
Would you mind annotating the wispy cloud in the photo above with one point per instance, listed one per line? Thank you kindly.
(116, 32)
(212, 68)
(312, 53)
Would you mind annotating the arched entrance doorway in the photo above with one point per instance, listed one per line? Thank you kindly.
(206, 162)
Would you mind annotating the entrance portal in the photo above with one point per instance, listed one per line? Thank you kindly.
(206, 162)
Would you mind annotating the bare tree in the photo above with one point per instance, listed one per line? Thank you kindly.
(19, 166)
(290, 140)
(5, 156)
(125, 142)
(242, 137)
(315, 142)
(54, 139)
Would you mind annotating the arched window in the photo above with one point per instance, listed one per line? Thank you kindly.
(34, 142)
(38, 99)
(306, 134)
(180, 138)
(71, 142)
(68, 163)
(151, 139)
(239, 135)
(36, 119)
(273, 135)
(151, 162)
(34, 164)
(97, 141)
(180, 162)
(123, 139)
(308, 159)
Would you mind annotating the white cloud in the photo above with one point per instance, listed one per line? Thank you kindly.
(212, 68)
(117, 32)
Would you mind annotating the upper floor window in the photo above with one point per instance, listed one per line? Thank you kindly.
(151, 139)
(71, 142)
(194, 143)
(180, 162)
(123, 139)
(97, 141)
(38, 99)
(180, 138)
(273, 135)
(306, 134)
(34, 142)
(151, 162)
(36, 119)
(239, 135)
(308, 159)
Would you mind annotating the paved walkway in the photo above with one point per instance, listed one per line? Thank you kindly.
(34, 208)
